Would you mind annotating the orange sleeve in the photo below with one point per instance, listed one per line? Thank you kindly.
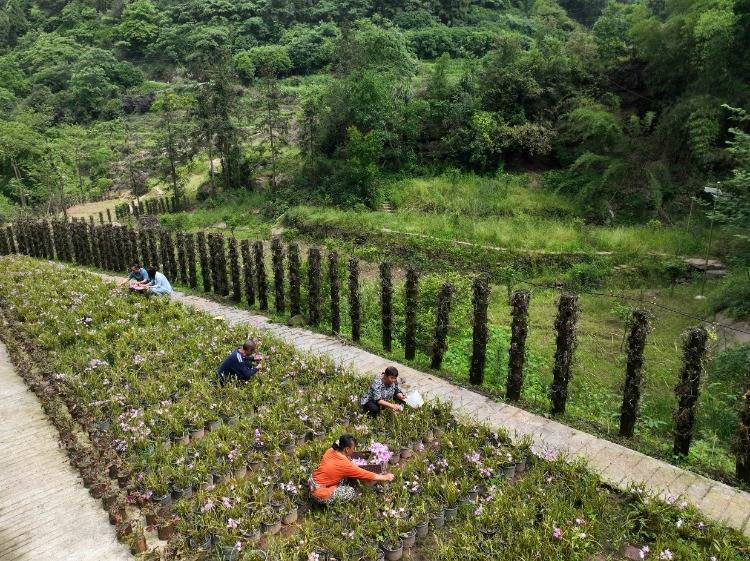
(348, 469)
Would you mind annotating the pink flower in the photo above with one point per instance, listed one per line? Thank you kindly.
(226, 502)
(665, 555)
(644, 551)
(557, 533)
(208, 506)
(232, 523)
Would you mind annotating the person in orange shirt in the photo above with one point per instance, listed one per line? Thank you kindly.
(326, 485)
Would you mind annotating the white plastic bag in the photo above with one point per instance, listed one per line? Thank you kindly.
(414, 399)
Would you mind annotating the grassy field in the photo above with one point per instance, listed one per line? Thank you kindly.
(519, 232)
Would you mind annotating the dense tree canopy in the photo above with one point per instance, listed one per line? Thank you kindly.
(621, 103)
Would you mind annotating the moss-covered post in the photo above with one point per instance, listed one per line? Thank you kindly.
(277, 264)
(10, 234)
(688, 388)
(565, 345)
(182, 264)
(334, 288)
(75, 238)
(85, 242)
(742, 440)
(260, 274)
(49, 241)
(96, 250)
(247, 272)
(220, 267)
(152, 248)
(164, 254)
(143, 242)
(631, 394)
(355, 314)
(104, 246)
(203, 257)
(295, 280)
(313, 284)
(3, 243)
(192, 274)
(109, 216)
(386, 305)
(101, 218)
(234, 269)
(133, 234)
(122, 249)
(519, 311)
(440, 334)
(411, 301)
(480, 332)
(101, 244)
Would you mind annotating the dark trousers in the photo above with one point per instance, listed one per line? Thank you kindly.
(226, 376)
(372, 408)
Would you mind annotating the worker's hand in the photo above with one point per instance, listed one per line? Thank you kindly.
(388, 477)
(398, 407)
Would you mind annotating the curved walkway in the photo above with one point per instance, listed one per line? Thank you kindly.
(617, 465)
(45, 511)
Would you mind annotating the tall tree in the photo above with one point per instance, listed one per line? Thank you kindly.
(172, 146)
(272, 123)
(217, 113)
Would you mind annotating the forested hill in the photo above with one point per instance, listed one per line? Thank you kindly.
(630, 107)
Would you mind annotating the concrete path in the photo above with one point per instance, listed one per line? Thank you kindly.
(619, 466)
(45, 511)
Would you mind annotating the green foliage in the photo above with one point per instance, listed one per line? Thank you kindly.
(311, 48)
(270, 60)
(733, 297)
(139, 26)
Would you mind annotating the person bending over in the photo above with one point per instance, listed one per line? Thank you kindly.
(158, 284)
(326, 483)
(240, 364)
(138, 276)
(383, 393)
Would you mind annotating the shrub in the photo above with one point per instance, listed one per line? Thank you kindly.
(733, 297)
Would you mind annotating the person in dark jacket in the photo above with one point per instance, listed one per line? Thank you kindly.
(240, 364)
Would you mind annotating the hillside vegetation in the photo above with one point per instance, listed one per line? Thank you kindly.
(630, 104)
